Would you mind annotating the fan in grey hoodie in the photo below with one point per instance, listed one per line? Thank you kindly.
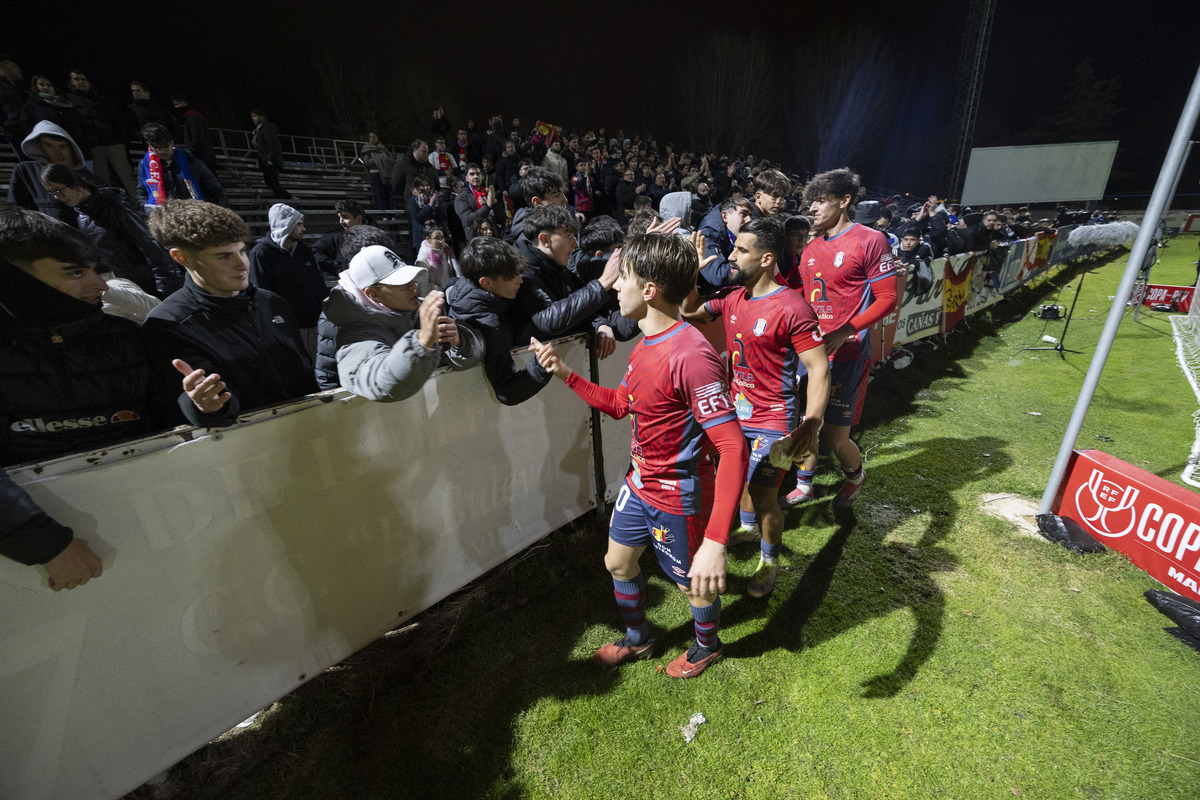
(388, 340)
(46, 144)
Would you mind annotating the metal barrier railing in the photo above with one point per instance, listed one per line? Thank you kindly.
(330, 152)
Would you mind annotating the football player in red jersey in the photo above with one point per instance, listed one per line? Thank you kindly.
(848, 279)
(673, 499)
(771, 332)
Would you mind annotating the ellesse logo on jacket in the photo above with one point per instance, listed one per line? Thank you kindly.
(40, 425)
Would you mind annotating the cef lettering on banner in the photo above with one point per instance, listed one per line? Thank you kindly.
(1151, 520)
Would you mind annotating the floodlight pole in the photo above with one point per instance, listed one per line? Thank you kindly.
(1167, 178)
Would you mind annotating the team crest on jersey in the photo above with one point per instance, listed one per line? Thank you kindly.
(759, 327)
(662, 535)
(759, 443)
(839, 258)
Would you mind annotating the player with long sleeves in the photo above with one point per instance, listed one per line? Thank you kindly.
(849, 280)
(673, 499)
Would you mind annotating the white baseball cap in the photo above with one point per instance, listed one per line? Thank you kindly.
(377, 264)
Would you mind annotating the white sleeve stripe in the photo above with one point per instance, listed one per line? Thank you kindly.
(710, 389)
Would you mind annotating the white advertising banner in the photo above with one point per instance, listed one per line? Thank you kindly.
(1014, 259)
(921, 315)
(240, 563)
(615, 433)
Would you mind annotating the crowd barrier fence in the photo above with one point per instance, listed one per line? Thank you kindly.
(241, 562)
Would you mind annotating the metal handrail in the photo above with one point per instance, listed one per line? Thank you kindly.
(231, 142)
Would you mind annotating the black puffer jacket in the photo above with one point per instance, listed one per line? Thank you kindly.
(488, 314)
(115, 224)
(251, 340)
(553, 300)
(71, 377)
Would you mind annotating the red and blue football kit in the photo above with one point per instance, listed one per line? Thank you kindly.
(765, 336)
(675, 388)
(842, 277)
(849, 279)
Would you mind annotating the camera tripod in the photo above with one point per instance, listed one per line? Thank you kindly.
(1059, 347)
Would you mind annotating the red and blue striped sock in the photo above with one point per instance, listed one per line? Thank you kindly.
(708, 623)
(631, 599)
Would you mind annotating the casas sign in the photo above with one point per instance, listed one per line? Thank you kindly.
(1153, 521)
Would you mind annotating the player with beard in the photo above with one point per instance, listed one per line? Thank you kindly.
(771, 331)
(849, 281)
(673, 499)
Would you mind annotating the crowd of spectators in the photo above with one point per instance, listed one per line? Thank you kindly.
(121, 317)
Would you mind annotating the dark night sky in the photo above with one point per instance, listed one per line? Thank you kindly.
(587, 64)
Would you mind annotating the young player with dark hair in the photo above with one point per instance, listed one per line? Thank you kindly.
(771, 331)
(849, 281)
(673, 499)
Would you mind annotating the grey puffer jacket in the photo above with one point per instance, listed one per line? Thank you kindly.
(377, 353)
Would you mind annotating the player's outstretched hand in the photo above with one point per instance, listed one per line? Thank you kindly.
(836, 338)
(708, 570)
(548, 358)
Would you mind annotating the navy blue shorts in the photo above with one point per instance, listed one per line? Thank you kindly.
(636, 523)
(847, 391)
(760, 472)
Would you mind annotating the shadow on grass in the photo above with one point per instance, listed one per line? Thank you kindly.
(858, 575)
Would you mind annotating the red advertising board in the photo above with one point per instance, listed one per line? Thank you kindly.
(1151, 520)
(1179, 298)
